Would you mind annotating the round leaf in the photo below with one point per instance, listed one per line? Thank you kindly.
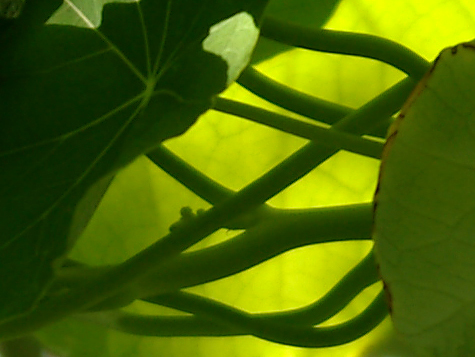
(424, 210)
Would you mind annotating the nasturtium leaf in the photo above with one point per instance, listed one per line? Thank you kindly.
(11, 9)
(424, 229)
(77, 104)
(90, 10)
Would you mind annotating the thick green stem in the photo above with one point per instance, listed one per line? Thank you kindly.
(284, 231)
(349, 43)
(224, 320)
(325, 136)
(360, 277)
(291, 99)
(183, 172)
(258, 192)
(371, 114)
(203, 186)
(159, 326)
(356, 280)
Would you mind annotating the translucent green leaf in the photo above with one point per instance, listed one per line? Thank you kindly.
(80, 103)
(424, 216)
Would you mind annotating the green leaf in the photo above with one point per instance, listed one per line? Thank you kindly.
(11, 9)
(78, 104)
(33, 15)
(90, 10)
(424, 216)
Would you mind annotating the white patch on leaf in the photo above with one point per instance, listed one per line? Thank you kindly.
(233, 40)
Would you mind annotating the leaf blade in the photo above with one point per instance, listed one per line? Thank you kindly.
(81, 103)
(424, 210)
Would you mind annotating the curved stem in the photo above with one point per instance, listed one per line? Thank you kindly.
(348, 43)
(325, 136)
(284, 231)
(218, 319)
(301, 336)
(203, 186)
(360, 277)
(160, 326)
(356, 280)
(291, 99)
(258, 192)
(378, 110)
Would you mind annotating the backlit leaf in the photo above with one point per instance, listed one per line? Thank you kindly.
(424, 215)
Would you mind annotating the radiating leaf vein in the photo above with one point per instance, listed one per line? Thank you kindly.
(84, 174)
(119, 53)
(69, 134)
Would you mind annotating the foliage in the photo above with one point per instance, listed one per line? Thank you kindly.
(88, 93)
(142, 97)
(423, 225)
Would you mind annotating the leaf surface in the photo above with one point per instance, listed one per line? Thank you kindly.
(424, 215)
(80, 103)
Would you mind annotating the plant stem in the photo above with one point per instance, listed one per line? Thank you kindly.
(349, 43)
(203, 186)
(325, 136)
(258, 192)
(378, 109)
(363, 275)
(284, 231)
(360, 277)
(231, 321)
(291, 99)
(159, 326)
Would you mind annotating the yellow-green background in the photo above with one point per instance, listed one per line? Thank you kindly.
(143, 201)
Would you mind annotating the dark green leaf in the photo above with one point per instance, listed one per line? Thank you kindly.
(11, 9)
(80, 103)
(31, 15)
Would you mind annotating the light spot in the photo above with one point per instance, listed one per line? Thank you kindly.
(233, 40)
